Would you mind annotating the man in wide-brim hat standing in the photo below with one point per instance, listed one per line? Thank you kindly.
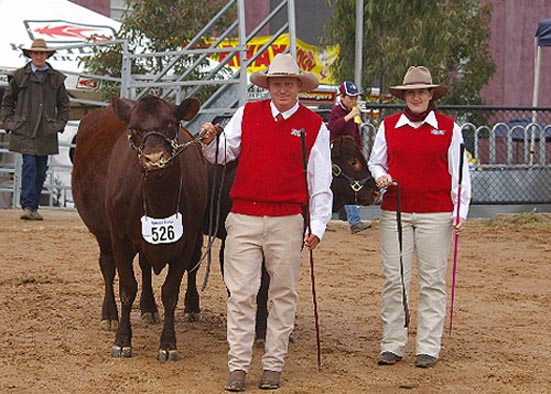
(418, 150)
(35, 108)
(266, 219)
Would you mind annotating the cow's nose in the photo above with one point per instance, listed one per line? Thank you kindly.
(154, 160)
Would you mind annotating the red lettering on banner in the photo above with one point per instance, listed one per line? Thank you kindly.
(305, 60)
(263, 59)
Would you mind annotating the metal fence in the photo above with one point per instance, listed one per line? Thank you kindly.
(509, 151)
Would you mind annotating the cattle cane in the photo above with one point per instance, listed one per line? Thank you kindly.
(311, 253)
(456, 236)
(405, 303)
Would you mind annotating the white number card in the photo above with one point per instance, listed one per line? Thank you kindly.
(162, 231)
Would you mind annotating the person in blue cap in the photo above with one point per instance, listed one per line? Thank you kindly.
(345, 119)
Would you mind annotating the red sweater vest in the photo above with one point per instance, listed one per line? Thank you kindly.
(270, 178)
(418, 160)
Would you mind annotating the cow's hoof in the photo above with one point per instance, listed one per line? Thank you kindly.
(121, 352)
(109, 325)
(150, 318)
(168, 355)
(192, 317)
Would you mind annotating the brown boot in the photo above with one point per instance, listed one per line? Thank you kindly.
(27, 214)
(388, 358)
(270, 380)
(36, 216)
(236, 381)
(425, 361)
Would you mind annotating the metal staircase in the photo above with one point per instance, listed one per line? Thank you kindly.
(232, 89)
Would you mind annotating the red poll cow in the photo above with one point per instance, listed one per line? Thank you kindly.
(139, 183)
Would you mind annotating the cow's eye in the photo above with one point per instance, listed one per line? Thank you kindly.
(136, 133)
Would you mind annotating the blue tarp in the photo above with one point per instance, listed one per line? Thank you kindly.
(544, 33)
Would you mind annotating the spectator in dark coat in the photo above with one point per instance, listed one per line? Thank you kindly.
(35, 108)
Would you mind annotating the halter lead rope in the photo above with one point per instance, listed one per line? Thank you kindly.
(400, 245)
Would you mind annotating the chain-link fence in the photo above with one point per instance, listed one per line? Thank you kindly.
(509, 151)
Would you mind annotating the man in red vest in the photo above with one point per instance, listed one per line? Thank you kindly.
(266, 221)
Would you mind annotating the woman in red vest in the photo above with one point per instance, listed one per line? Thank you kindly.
(418, 150)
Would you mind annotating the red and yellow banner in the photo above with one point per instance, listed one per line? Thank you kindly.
(309, 58)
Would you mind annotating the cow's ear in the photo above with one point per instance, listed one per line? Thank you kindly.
(121, 107)
(188, 109)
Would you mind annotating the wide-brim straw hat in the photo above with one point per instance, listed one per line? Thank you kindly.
(418, 77)
(38, 45)
(283, 65)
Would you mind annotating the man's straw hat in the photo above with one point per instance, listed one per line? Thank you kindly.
(285, 66)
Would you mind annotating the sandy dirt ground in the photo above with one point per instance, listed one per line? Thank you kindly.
(51, 291)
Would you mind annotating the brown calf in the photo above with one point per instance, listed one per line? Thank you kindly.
(139, 184)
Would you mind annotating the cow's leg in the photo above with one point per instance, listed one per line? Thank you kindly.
(128, 287)
(109, 312)
(170, 292)
(192, 310)
(148, 306)
(262, 308)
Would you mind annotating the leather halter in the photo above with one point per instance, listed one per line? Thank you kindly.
(175, 147)
(355, 185)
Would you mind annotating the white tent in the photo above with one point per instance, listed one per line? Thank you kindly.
(60, 23)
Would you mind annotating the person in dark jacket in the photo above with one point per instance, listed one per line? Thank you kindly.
(345, 120)
(35, 107)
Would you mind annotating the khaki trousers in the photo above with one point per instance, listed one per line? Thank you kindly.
(250, 238)
(429, 237)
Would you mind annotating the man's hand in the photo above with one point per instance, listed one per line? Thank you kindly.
(311, 241)
(209, 132)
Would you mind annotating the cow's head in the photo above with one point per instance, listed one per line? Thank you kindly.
(154, 127)
(352, 181)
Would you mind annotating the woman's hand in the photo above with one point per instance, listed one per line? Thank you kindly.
(384, 181)
(459, 226)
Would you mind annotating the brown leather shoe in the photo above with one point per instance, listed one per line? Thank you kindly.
(388, 358)
(425, 361)
(236, 381)
(36, 216)
(270, 380)
(27, 214)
